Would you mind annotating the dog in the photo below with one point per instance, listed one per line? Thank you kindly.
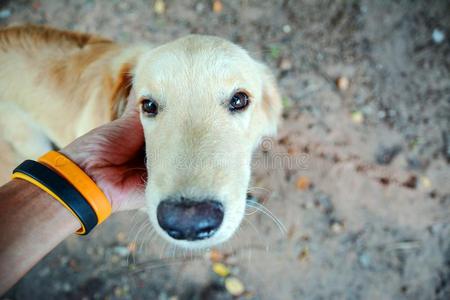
(205, 105)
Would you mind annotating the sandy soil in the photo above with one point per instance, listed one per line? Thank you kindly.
(359, 173)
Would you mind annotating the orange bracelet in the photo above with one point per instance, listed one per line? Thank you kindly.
(80, 180)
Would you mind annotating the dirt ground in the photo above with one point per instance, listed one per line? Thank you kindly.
(358, 174)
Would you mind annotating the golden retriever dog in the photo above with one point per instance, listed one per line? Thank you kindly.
(205, 105)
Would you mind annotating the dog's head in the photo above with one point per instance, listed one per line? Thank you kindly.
(205, 104)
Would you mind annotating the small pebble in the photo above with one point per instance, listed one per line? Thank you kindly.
(200, 7)
(66, 287)
(64, 260)
(385, 154)
(120, 237)
(438, 36)
(285, 64)
(364, 260)
(324, 203)
(118, 292)
(425, 182)
(415, 163)
(309, 205)
(342, 83)
(381, 114)
(234, 286)
(115, 259)
(287, 28)
(337, 227)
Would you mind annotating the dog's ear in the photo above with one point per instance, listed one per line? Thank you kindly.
(271, 101)
(121, 90)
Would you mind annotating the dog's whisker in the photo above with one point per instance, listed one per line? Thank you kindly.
(258, 233)
(133, 221)
(137, 248)
(162, 262)
(147, 243)
(174, 248)
(251, 212)
(280, 225)
(163, 250)
(145, 226)
(254, 188)
(144, 247)
(140, 228)
(268, 213)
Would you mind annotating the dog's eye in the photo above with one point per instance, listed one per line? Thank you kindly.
(238, 102)
(149, 107)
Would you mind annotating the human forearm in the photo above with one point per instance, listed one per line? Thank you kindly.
(32, 223)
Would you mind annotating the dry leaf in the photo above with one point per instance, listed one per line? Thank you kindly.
(234, 286)
(303, 183)
(221, 270)
(217, 6)
(357, 117)
(216, 256)
(291, 232)
(304, 254)
(292, 151)
(411, 182)
(159, 7)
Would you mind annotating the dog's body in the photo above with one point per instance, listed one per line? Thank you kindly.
(56, 85)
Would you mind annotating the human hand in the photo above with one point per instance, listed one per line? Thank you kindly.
(113, 156)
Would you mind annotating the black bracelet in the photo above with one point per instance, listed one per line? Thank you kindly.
(69, 195)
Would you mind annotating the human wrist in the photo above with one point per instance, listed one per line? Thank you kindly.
(31, 224)
(80, 181)
(39, 207)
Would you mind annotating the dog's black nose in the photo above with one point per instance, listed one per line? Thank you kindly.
(190, 220)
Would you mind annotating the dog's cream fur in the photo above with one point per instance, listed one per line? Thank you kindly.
(56, 85)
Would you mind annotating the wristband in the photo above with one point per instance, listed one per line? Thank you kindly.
(52, 183)
(80, 180)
